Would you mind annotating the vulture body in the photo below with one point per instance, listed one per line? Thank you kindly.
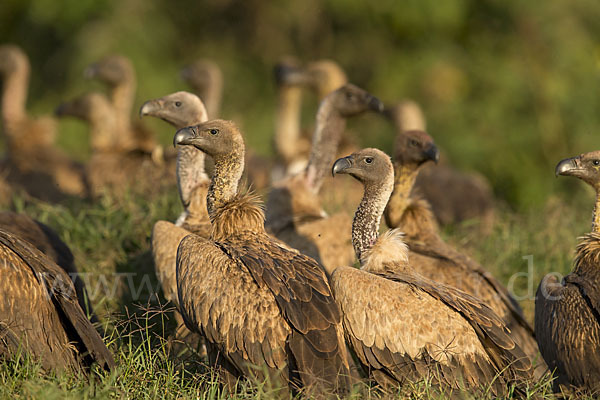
(454, 196)
(265, 309)
(432, 257)
(111, 167)
(33, 161)
(567, 312)
(39, 312)
(294, 212)
(404, 327)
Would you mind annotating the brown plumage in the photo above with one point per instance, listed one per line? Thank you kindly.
(294, 211)
(39, 311)
(206, 79)
(180, 109)
(118, 74)
(567, 312)
(111, 167)
(435, 259)
(257, 302)
(33, 161)
(405, 327)
(454, 195)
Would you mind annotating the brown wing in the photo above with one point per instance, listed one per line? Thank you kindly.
(40, 307)
(304, 297)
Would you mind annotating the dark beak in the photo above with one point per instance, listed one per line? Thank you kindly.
(341, 165)
(184, 136)
(375, 104)
(432, 153)
(148, 108)
(61, 110)
(566, 166)
(286, 74)
(90, 72)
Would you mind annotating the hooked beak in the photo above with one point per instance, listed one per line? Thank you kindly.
(341, 165)
(432, 153)
(184, 136)
(568, 166)
(149, 107)
(286, 74)
(375, 104)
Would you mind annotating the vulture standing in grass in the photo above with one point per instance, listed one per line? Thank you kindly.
(435, 259)
(294, 211)
(404, 327)
(46, 240)
(206, 79)
(263, 307)
(111, 167)
(454, 195)
(118, 74)
(180, 109)
(567, 311)
(33, 161)
(39, 312)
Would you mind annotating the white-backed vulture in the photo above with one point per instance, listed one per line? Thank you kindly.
(435, 259)
(180, 109)
(263, 307)
(112, 168)
(33, 161)
(46, 240)
(454, 195)
(405, 327)
(39, 312)
(294, 211)
(567, 311)
(118, 74)
(206, 79)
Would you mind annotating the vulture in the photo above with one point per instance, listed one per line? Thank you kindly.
(46, 240)
(180, 109)
(454, 196)
(40, 314)
(33, 161)
(567, 311)
(294, 211)
(118, 74)
(111, 167)
(404, 327)
(206, 79)
(435, 259)
(266, 310)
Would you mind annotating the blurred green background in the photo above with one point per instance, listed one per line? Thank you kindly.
(508, 87)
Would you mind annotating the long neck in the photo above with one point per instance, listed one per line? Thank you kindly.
(123, 96)
(14, 97)
(287, 125)
(365, 226)
(227, 174)
(596, 215)
(211, 96)
(190, 172)
(404, 180)
(326, 139)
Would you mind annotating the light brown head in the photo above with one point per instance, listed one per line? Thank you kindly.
(179, 109)
(585, 167)
(288, 72)
(406, 116)
(350, 100)
(326, 76)
(218, 138)
(113, 70)
(90, 107)
(12, 59)
(371, 167)
(201, 74)
(415, 148)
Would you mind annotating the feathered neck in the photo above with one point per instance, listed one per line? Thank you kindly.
(287, 124)
(14, 97)
(389, 253)
(123, 97)
(241, 214)
(326, 139)
(103, 134)
(226, 176)
(400, 200)
(365, 226)
(587, 260)
(190, 173)
(596, 214)
(211, 96)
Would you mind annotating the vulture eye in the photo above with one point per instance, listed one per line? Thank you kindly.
(214, 131)
(349, 96)
(177, 104)
(596, 162)
(413, 143)
(369, 160)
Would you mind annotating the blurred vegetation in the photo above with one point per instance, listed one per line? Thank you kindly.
(509, 87)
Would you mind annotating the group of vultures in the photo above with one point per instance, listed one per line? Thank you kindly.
(278, 289)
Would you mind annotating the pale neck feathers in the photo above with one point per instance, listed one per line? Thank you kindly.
(14, 97)
(190, 173)
(596, 214)
(244, 213)
(328, 132)
(287, 129)
(389, 253)
(227, 174)
(587, 260)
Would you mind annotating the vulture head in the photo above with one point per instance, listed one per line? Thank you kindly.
(415, 148)
(12, 58)
(288, 72)
(201, 74)
(91, 107)
(326, 76)
(113, 70)
(179, 109)
(368, 166)
(406, 116)
(217, 138)
(585, 167)
(350, 100)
